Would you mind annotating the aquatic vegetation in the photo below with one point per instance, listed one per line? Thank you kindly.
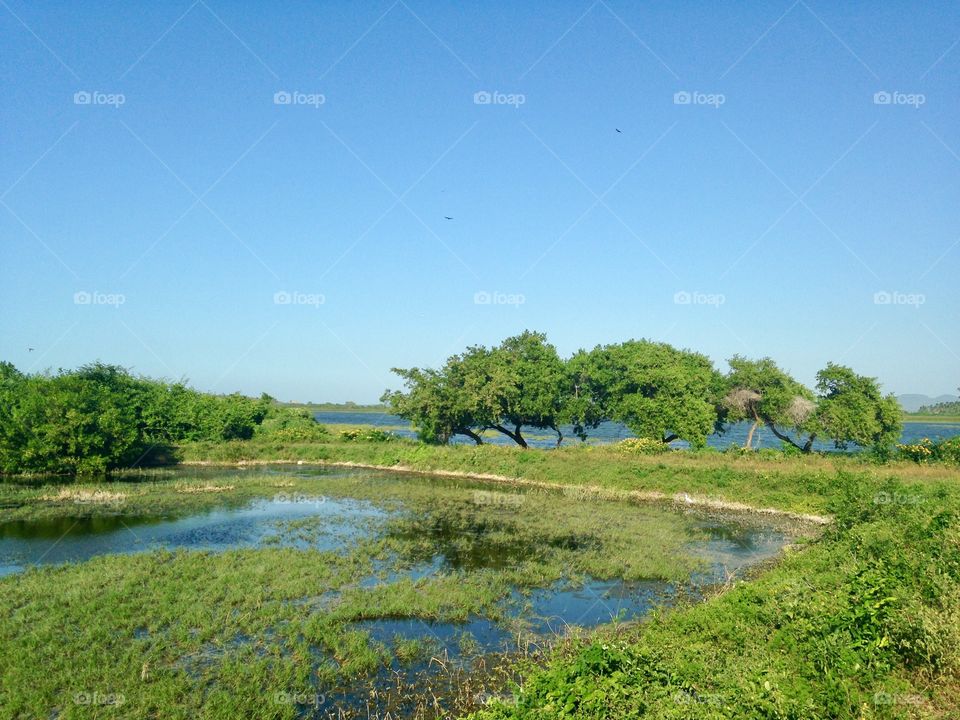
(460, 561)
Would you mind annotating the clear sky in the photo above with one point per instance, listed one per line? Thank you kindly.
(776, 178)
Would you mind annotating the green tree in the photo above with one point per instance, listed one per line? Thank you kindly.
(656, 390)
(519, 384)
(852, 409)
(762, 393)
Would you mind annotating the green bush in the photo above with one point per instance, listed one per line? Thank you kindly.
(642, 446)
(367, 435)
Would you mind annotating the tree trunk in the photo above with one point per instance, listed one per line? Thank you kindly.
(805, 448)
(471, 434)
(515, 436)
(559, 434)
(753, 428)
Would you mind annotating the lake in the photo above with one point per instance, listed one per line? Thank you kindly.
(612, 432)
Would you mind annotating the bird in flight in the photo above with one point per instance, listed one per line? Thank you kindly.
(618, 130)
(447, 217)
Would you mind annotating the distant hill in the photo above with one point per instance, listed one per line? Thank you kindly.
(913, 403)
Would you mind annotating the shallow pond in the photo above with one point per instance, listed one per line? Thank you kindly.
(565, 562)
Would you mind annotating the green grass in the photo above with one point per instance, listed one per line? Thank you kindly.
(217, 635)
(863, 622)
(773, 480)
(917, 418)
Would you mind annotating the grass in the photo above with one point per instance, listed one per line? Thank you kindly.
(773, 480)
(863, 622)
(221, 635)
(918, 418)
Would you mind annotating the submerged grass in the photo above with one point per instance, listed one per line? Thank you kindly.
(222, 635)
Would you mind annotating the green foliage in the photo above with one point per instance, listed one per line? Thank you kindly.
(925, 450)
(520, 383)
(656, 390)
(287, 424)
(761, 392)
(367, 435)
(851, 409)
(101, 417)
(642, 446)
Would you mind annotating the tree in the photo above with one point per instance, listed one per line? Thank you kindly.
(518, 384)
(762, 393)
(529, 382)
(656, 390)
(851, 409)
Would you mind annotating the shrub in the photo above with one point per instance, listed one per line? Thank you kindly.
(367, 435)
(642, 446)
(919, 452)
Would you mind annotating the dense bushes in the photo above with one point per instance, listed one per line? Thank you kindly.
(101, 417)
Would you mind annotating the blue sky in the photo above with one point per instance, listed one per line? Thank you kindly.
(785, 182)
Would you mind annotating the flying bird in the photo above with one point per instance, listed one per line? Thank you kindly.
(618, 130)
(447, 217)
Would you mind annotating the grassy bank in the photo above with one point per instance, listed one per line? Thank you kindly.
(931, 418)
(798, 484)
(863, 622)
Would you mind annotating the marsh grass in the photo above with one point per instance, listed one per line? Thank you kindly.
(217, 635)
